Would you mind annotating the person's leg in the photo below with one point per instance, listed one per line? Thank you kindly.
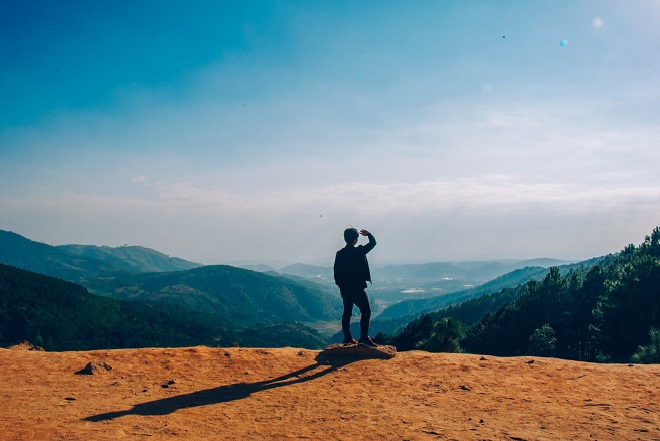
(362, 302)
(347, 298)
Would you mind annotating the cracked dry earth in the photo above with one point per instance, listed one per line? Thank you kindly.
(203, 393)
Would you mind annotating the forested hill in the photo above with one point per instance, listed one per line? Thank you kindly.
(233, 293)
(136, 273)
(60, 315)
(133, 258)
(609, 312)
(81, 262)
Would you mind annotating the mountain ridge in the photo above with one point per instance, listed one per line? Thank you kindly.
(81, 262)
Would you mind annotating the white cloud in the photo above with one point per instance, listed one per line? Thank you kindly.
(489, 217)
(139, 180)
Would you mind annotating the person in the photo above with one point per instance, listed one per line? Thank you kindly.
(351, 271)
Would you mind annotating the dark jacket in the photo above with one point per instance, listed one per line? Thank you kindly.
(351, 266)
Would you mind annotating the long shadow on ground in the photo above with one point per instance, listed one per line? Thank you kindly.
(223, 394)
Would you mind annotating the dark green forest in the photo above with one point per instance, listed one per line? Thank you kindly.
(59, 315)
(609, 312)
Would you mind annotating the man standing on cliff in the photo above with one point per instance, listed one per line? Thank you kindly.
(351, 274)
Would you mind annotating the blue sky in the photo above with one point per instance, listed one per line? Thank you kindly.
(231, 131)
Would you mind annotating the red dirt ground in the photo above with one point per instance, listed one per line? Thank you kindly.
(203, 393)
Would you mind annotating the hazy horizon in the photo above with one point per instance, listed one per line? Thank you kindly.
(247, 131)
(326, 262)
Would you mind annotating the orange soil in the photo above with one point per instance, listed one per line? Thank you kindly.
(244, 394)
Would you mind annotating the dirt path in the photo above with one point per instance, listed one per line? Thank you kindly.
(203, 393)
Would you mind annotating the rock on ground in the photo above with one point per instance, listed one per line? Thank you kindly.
(360, 351)
(95, 367)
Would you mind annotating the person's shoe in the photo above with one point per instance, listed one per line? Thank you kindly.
(350, 341)
(367, 342)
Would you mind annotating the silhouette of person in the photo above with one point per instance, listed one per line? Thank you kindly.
(351, 271)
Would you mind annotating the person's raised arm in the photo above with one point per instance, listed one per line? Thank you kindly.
(372, 241)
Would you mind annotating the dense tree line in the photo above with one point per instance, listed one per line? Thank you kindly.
(59, 315)
(608, 312)
(416, 334)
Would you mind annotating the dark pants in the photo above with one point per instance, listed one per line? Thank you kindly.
(357, 297)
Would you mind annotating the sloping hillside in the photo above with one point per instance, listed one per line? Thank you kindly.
(132, 258)
(79, 262)
(308, 271)
(202, 393)
(609, 311)
(475, 271)
(61, 315)
(232, 293)
(416, 307)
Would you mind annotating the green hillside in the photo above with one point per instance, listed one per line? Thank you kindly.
(137, 273)
(609, 311)
(231, 293)
(414, 307)
(419, 330)
(60, 315)
(83, 262)
(130, 258)
(405, 310)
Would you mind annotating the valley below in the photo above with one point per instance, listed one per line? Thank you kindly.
(201, 393)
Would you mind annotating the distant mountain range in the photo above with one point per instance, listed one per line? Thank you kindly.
(262, 268)
(415, 307)
(308, 271)
(84, 262)
(430, 272)
(472, 271)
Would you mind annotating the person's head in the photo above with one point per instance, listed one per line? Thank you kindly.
(351, 235)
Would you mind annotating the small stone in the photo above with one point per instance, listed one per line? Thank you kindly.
(25, 345)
